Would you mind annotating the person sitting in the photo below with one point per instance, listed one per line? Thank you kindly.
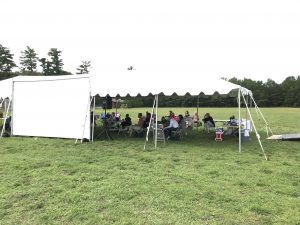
(7, 125)
(208, 122)
(173, 126)
(181, 122)
(187, 114)
(113, 116)
(147, 120)
(196, 119)
(139, 127)
(126, 122)
(118, 116)
(232, 124)
(164, 121)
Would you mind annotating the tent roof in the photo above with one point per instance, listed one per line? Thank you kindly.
(134, 83)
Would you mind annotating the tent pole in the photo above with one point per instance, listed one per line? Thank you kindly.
(4, 106)
(148, 128)
(239, 103)
(247, 101)
(85, 118)
(4, 121)
(257, 135)
(93, 126)
(198, 106)
(156, 109)
(257, 109)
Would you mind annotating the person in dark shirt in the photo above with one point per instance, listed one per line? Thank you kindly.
(147, 120)
(208, 122)
(126, 122)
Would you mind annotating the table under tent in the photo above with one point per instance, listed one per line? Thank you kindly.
(66, 100)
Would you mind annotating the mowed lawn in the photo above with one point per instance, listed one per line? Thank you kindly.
(192, 181)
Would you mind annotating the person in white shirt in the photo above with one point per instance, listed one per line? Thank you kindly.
(172, 126)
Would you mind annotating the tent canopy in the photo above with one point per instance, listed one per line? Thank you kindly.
(133, 83)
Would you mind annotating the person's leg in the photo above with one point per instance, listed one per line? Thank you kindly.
(206, 127)
(166, 131)
(209, 125)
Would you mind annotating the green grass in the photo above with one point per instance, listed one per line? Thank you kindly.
(192, 181)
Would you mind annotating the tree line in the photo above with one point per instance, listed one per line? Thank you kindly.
(266, 94)
(29, 62)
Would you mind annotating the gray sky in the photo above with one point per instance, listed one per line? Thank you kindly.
(257, 39)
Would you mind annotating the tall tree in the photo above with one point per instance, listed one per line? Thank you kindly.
(84, 67)
(28, 60)
(46, 66)
(6, 60)
(56, 63)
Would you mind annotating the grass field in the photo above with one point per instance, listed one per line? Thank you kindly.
(192, 181)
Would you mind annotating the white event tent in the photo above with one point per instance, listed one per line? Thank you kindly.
(59, 106)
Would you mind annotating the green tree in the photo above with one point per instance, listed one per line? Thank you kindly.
(84, 67)
(46, 66)
(28, 60)
(56, 64)
(6, 60)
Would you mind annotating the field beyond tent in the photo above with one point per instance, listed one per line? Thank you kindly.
(192, 181)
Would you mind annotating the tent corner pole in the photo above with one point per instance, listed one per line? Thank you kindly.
(87, 115)
(239, 103)
(256, 132)
(148, 128)
(156, 109)
(4, 121)
(93, 126)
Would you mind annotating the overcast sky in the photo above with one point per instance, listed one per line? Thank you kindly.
(257, 39)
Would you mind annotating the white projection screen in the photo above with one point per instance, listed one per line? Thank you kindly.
(52, 108)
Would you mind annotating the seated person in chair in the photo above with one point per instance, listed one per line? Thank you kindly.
(181, 122)
(196, 119)
(208, 122)
(187, 114)
(139, 127)
(164, 121)
(126, 122)
(147, 120)
(173, 126)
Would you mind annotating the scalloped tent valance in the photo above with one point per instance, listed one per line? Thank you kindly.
(141, 83)
(133, 84)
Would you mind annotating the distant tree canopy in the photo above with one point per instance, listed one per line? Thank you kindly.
(266, 94)
(6, 60)
(84, 67)
(54, 65)
(28, 60)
